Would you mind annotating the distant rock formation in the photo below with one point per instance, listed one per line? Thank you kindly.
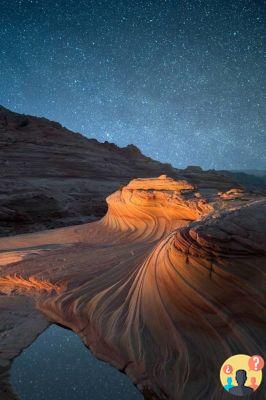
(252, 180)
(232, 194)
(193, 168)
(52, 177)
(165, 287)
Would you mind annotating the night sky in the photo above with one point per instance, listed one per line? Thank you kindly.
(182, 80)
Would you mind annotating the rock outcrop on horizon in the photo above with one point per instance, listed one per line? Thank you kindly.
(165, 287)
(51, 177)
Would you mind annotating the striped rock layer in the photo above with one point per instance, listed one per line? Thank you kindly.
(165, 287)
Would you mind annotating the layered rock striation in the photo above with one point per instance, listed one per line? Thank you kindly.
(166, 286)
(52, 177)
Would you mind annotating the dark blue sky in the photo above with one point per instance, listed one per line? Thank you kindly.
(182, 80)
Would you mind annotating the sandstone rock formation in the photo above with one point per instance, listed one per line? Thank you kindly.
(65, 178)
(166, 286)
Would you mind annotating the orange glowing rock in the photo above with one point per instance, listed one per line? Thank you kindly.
(17, 281)
(152, 207)
(165, 287)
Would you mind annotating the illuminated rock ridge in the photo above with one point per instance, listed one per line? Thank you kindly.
(165, 287)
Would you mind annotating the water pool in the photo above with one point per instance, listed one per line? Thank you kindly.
(57, 366)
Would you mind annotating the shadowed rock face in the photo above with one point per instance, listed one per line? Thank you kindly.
(165, 287)
(51, 177)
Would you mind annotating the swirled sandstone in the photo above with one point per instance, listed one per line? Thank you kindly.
(165, 287)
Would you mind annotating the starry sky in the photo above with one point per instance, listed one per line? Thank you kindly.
(182, 80)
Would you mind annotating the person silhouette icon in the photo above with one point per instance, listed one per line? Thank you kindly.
(241, 389)
(229, 384)
(253, 384)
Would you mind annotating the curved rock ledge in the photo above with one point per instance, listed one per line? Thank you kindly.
(165, 287)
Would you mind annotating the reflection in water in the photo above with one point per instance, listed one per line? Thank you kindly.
(57, 366)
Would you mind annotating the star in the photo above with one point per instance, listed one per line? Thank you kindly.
(182, 80)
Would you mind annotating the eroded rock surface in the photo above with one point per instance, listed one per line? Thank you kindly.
(165, 287)
(52, 177)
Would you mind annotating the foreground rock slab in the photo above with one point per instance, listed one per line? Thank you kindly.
(165, 287)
